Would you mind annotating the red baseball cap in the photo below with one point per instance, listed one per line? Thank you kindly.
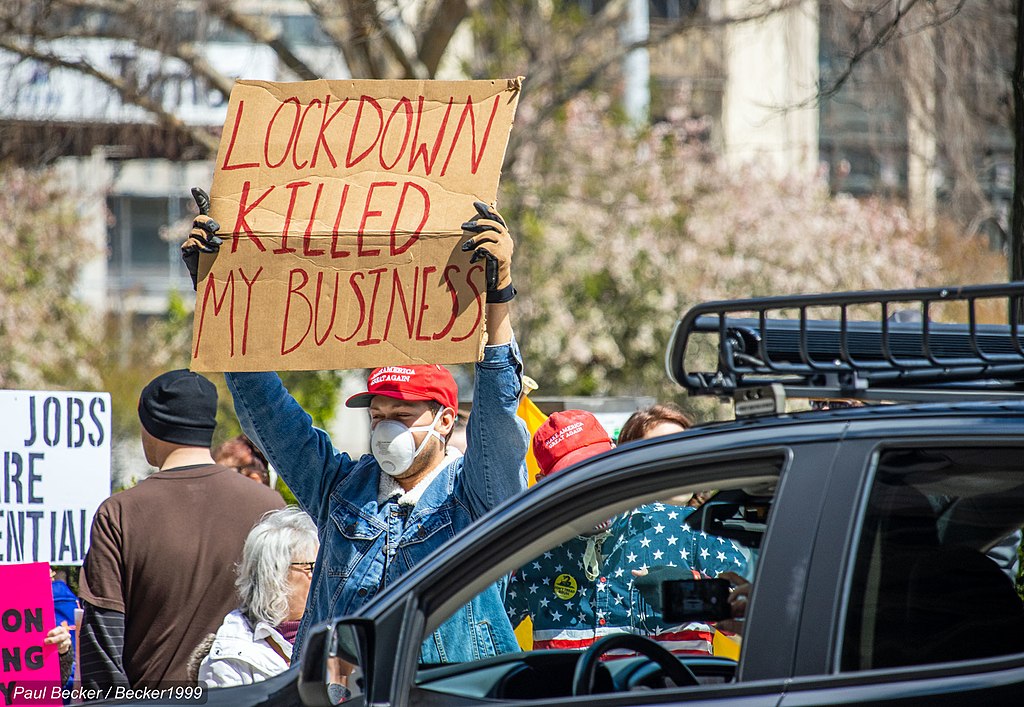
(566, 437)
(409, 383)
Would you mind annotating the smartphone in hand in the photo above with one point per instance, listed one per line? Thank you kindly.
(685, 600)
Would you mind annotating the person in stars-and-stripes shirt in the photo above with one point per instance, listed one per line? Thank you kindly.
(585, 588)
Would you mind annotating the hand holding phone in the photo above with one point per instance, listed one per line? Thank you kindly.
(685, 600)
(740, 593)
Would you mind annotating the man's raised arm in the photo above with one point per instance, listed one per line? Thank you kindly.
(496, 439)
(269, 415)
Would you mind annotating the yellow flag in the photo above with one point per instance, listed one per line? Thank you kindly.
(524, 634)
(533, 417)
(726, 645)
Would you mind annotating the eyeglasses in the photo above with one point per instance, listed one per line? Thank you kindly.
(306, 567)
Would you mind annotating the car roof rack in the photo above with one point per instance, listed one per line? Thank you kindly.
(883, 345)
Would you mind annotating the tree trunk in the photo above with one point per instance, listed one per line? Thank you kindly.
(1017, 207)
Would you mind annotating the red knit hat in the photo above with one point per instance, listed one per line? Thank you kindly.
(409, 383)
(567, 437)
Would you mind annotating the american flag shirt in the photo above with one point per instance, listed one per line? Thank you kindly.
(569, 610)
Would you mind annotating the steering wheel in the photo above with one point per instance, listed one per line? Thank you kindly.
(586, 666)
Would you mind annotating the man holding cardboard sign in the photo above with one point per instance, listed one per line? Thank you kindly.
(345, 199)
(380, 514)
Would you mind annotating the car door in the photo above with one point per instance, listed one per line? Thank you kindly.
(914, 570)
(570, 503)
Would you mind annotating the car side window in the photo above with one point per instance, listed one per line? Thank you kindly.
(610, 580)
(936, 569)
(610, 587)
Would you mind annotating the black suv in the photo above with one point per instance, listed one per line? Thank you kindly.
(880, 537)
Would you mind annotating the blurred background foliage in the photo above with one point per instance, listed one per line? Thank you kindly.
(618, 228)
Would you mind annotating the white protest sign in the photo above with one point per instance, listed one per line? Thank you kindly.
(54, 473)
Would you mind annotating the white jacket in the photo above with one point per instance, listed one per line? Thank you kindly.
(241, 655)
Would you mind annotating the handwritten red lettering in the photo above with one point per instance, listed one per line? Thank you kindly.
(357, 124)
(427, 271)
(421, 150)
(475, 159)
(398, 250)
(218, 304)
(335, 253)
(321, 139)
(294, 188)
(268, 139)
(244, 209)
(248, 305)
(302, 122)
(476, 298)
(446, 276)
(362, 306)
(406, 105)
(296, 291)
(307, 248)
(368, 213)
(409, 312)
(231, 144)
(392, 172)
(316, 309)
(373, 305)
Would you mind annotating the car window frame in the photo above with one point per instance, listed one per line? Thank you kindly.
(843, 550)
(636, 468)
(553, 492)
(841, 486)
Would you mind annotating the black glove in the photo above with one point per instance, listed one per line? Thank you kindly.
(493, 242)
(203, 238)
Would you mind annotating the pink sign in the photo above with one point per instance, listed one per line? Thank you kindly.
(29, 670)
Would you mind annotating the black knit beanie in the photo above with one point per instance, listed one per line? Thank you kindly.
(180, 407)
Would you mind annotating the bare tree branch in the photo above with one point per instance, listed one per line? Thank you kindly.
(412, 67)
(128, 94)
(186, 52)
(611, 17)
(361, 14)
(370, 31)
(437, 33)
(893, 29)
(190, 54)
(696, 22)
(335, 24)
(263, 33)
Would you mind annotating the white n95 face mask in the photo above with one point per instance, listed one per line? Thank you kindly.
(394, 447)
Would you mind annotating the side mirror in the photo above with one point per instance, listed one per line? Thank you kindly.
(334, 663)
(735, 515)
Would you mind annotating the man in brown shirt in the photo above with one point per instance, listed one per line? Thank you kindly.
(160, 571)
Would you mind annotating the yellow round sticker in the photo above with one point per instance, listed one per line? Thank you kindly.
(565, 586)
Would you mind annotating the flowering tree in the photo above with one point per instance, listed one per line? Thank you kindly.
(43, 329)
(619, 235)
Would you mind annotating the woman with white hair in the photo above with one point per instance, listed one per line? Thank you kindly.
(255, 641)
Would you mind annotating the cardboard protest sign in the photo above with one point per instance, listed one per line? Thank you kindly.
(29, 671)
(55, 454)
(341, 204)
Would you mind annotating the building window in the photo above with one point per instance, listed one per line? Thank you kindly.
(142, 260)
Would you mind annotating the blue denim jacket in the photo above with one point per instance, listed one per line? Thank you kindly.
(366, 545)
